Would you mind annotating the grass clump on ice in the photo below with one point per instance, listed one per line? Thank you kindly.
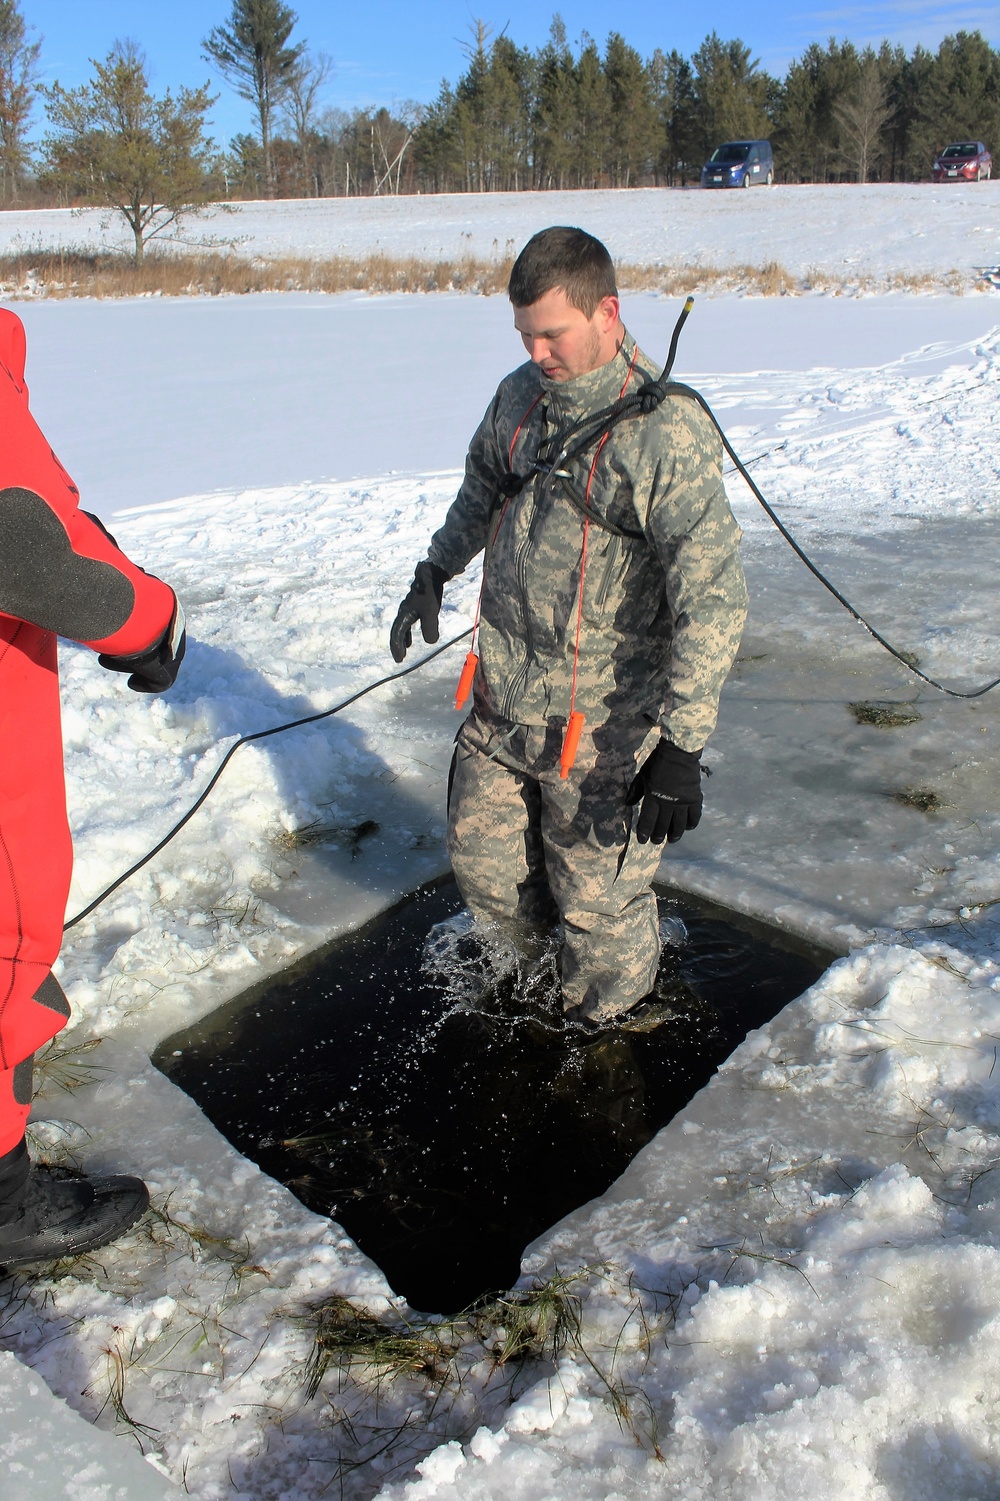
(68, 1067)
(351, 836)
(884, 715)
(345, 1337)
(81, 272)
(534, 1323)
(921, 798)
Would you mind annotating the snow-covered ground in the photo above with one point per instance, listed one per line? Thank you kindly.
(243, 392)
(795, 1289)
(876, 230)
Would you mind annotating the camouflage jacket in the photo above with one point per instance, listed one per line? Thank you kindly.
(664, 598)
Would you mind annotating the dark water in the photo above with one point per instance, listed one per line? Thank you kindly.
(439, 1109)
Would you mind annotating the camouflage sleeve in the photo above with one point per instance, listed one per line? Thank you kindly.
(466, 525)
(691, 526)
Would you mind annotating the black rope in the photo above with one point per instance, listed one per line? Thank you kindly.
(631, 407)
(278, 729)
(816, 572)
(591, 430)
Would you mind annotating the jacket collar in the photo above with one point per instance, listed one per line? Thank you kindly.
(572, 399)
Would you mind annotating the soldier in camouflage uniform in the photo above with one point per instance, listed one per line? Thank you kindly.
(631, 618)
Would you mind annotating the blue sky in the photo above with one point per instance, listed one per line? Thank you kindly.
(387, 50)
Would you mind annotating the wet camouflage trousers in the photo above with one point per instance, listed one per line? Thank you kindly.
(529, 850)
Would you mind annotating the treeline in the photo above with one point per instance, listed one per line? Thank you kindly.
(559, 118)
(556, 117)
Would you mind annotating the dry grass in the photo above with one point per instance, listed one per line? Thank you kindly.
(65, 1067)
(345, 1336)
(351, 836)
(769, 280)
(533, 1323)
(35, 273)
(79, 273)
(921, 798)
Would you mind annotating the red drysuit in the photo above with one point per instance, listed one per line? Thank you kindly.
(60, 575)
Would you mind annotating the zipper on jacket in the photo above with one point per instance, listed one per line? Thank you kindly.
(601, 598)
(519, 678)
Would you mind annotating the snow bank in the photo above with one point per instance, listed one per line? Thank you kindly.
(47, 1450)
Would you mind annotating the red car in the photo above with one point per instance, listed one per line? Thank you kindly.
(963, 161)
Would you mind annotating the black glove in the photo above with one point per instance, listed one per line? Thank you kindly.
(668, 784)
(423, 603)
(155, 669)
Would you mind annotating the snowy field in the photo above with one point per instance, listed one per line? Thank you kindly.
(876, 230)
(794, 1291)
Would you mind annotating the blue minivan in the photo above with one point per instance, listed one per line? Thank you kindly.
(739, 164)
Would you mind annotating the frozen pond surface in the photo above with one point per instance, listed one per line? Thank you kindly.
(227, 393)
(852, 1142)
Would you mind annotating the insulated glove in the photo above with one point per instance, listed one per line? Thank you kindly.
(668, 784)
(423, 603)
(155, 669)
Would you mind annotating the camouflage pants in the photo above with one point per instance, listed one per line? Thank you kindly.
(529, 849)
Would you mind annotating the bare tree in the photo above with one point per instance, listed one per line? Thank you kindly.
(391, 134)
(252, 57)
(862, 117)
(299, 106)
(114, 144)
(18, 74)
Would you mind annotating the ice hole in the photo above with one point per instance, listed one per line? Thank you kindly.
(419, 1085)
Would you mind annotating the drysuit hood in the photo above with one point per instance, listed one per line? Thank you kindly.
(26, 459)
(13, 348)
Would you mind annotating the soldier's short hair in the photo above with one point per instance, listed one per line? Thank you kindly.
(567, 258)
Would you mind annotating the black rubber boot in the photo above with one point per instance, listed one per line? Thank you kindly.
(642, 1016)
(648, 1014)
(44, 1217)
(15, 1166)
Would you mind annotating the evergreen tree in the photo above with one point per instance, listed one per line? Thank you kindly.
(555, 101)
(471, 109)
(509, 101)
(114, 144)
(243, 167)
(252, 56)
(672, 81)
(961, 97)
(588, 128)
(631, 113)
(547, 119)
(436, 147)
(808, 130)
(892, 68)
(18, 72)
(731, 94)
(914, 155)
